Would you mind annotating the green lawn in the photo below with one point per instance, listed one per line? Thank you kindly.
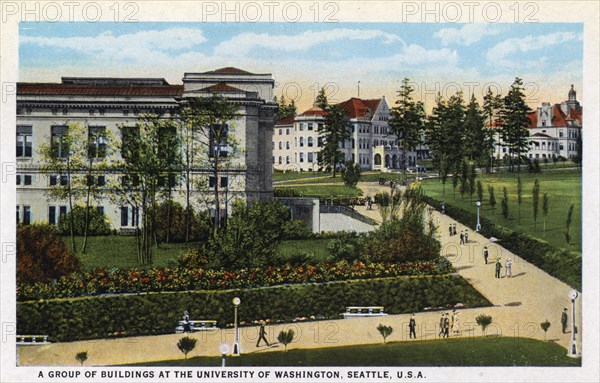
(326, 191)
(316, 246)
(563, 188)
(287, 176)
(478, 351)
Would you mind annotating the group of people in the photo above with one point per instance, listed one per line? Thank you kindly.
(464, 234)
(449, 323)
(452, 229)
(498, 267)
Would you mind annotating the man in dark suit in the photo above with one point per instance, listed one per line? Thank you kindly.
(446, 326)
(498, 267)
(564, 319)
(412, 326)
(441, 333)
(262, 334)
(485, 254)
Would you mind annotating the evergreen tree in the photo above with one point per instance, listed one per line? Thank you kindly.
(504, 203)
(335, 130)
(519, 195)
(491, 104)
(536, 201)
(407, 120)
(286, 109)
(492, 198)
(515, 121)
(475, 138)
(321, 100)
(545, 203)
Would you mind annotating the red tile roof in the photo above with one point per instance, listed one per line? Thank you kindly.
(576, 115)
(227, 70)
(532, 119)
(314, 111)
(24, 88)
(222, 87)
(286, 121)
(355, 107)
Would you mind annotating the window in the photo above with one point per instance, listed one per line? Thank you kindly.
(224, 182)
(63, 180)
(311, 157)
(27, 179)
(62, 211)
(280, 133)
(18, 179)
(287, 159)
(100, 210)
(24, 141)
(129, 216)
(310, 142)
(52, 215)
(301, 141)
(287, 145)
(218, 140)
(60, 147)
(301, 157)
(18, 214)
(280, 145)
(310, 126)
(97, 142)
(280, 160)
(65, 111)
(125, 112)
(287, 131)
(26, 215)
(560, 133)
(124, 215)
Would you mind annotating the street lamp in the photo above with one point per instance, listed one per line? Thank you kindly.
(224, 348)
(573, 346)
(236, 345)
(478, 227)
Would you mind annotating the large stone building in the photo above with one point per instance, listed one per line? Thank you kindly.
(297, 142)
(553, 130)
(45, 111)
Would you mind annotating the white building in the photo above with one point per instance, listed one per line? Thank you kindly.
(45, 110)
(296, 140)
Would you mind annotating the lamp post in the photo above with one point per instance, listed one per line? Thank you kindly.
(224, 348)
(573, 346)
(478, 227)
(236, 345)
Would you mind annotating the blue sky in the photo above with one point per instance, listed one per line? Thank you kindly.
(305, 56)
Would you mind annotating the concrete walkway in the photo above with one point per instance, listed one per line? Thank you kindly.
(521, 303)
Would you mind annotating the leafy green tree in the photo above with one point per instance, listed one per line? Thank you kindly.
(464, 179)
(568, 224)
(335, 130)
(519, 195)
(545, 203)
(536, 201)
(351, 174)
(186, 345)
(484, 321)
(286, 337)
(492, 198)
(385, 331)
(407, 119)
(504, 203)
(81, 357)
(472, 177)
(515, 122)
(91, 222)
(286, 109)
(436, 137)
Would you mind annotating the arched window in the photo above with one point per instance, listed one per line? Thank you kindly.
(280, 160)
(301, 141)
(287, 145)
(287, 159)
(280, 145)
(310, 142)
(378, 159)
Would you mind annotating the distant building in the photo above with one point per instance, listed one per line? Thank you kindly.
(297, 142)
(44, 111)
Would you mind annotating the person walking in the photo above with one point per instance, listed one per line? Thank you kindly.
(446, 326)
(485, 254)
(498, 267)
(454, 229)
(262, 334)
(508, 267)
(412, 327)
(186, 322)
(441, 333)
(564, 318)
(462, 238)
(466, 236)
(456, 323)
(450, 229)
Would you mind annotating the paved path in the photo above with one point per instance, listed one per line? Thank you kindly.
(521, 303)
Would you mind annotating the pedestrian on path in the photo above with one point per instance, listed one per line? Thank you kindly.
(450, 229)
(498, 267)
(454, 229)
(446, 326)
(462, 238)
(508, 267)
(485, 254)
(412, 326)
(564, 318)
(262, 334)
(466, 236)
(441, 333)
(455, 322)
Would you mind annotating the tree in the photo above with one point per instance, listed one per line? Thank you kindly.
(515, 122)
(42, 256)
(436, 136)
(212, 119)
(321, 100)
(504, 203)
(491, 104)
(186, 345)
(519, 195)
(407, 120)
(545, 326)
(464, 179)
(536, 201)
(385, 331)
(484, 321)
(492, 198)
(479, 191)
(286, 337)
(351, 174)
(471, 184)
(475, 134)
(335, 131)
(81, 357)
(568, 224)
(286, 109)
(545, 209)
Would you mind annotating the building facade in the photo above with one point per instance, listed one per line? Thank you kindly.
(297, 142)
(45, 112)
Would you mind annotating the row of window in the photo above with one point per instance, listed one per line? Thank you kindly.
(309, 157)
(93, 112)
(170, 180)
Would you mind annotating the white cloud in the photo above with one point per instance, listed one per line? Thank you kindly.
(467, 34)
(137, 46)
(245, 42)
(501, 54)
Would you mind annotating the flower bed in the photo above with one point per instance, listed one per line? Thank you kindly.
(117, 281)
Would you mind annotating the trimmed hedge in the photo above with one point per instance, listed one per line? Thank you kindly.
(157, 313)
(562, 264)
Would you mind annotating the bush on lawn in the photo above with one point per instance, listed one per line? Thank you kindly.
(144, 314)
(42, 256)
(97, 222)
(173, 228)
(562, 264)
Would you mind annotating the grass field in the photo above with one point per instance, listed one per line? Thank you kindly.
(320, 178)
(316, 246)
(479, 351)
(326, 191)
(563, 188)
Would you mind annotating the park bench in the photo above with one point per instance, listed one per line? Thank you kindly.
(197, 325)
(363, 311)
(32, 339)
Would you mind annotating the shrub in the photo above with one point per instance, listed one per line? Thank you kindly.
(158, 313)
(295, 229)
(97, 223)
(171, 223)
(385, 331)
(484, 321)
(351, 174)
(286, 337)
(81, 357)
(347, 246)
(186, 345)
(42, 256)
(192, 259)
(545, 326)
